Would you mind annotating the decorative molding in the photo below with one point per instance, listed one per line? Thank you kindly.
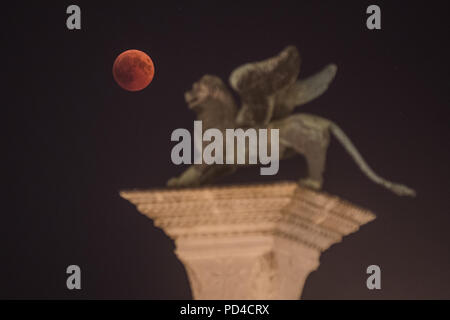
(249, 241)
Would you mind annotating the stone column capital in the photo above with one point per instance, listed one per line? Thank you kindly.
(249, 241)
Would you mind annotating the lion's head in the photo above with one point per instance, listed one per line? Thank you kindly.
(212, 101)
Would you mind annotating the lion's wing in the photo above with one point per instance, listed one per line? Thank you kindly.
(258, 82)
(303, 91)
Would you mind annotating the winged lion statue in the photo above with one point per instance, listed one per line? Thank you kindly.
(269, 91)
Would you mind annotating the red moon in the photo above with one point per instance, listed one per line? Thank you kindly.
(133, 70)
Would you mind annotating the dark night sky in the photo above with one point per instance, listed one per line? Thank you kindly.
(74, 138)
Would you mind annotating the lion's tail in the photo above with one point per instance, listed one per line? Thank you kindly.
(398, 189)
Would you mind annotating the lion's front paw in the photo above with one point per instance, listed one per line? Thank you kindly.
(181, 182)
(311, 183)
(173, 182)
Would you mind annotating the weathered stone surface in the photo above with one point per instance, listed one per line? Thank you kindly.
(269, 92)
(249, 241)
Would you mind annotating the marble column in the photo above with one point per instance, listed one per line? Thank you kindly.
(249, 241)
